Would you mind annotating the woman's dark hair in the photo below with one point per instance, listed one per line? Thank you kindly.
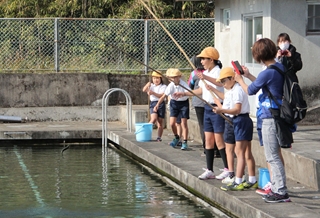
(197, 62)
(263, 50)
(218, 62)
(283, 37)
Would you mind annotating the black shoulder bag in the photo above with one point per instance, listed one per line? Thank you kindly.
(283, 129)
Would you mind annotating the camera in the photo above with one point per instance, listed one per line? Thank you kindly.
(285, 52)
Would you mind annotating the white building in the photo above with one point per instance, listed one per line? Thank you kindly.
(239, 23)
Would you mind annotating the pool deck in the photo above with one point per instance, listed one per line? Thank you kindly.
(184, 167)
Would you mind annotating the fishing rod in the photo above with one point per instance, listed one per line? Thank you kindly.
(216, 100)
(140, 62)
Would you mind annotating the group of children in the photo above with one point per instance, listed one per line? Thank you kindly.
(226, 121)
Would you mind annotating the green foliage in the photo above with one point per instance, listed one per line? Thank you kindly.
(132, 9)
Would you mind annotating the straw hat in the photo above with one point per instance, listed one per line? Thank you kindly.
(172, 72)
(155, 74)
(209, 52)
(225, 73)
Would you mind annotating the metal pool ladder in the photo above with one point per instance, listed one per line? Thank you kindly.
(105, 99)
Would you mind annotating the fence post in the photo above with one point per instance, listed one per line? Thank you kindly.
(146, 45)
(56, 45)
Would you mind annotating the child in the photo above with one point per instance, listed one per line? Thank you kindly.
(198, 105)
(239, 135)
(155, 90)
(180, 105)
(213, 124)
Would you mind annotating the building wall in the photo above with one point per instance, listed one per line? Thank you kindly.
(288, 16)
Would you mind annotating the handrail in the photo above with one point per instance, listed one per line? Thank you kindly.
(105, 99)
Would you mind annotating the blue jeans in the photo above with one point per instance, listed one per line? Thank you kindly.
(271, 150)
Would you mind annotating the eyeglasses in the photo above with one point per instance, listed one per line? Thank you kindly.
(224, 80)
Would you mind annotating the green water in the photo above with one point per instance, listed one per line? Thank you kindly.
(84, 182)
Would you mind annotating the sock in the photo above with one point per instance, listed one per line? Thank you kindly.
(176, 136)
(210, 158)
(224, 157)
(185, 141)
(238, 180)
(252, 179)
(231, 174)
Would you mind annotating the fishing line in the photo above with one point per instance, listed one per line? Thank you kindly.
(140, 62)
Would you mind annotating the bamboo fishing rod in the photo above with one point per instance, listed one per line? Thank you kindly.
(140, 62)
(216, 100)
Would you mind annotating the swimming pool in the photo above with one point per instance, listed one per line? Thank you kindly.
(84, 182)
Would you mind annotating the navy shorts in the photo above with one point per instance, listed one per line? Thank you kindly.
(161, 110)
(212, 122)
(179, 108)
(242, 129)
(178, 121)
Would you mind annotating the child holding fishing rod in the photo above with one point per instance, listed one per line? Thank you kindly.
(177, 106)
(213, 124)
(238, 134)
(155, 90)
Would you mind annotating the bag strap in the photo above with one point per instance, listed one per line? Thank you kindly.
(276, 68)
(269, 93)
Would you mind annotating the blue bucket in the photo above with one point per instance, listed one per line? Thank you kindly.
(264, 177)
(143, 132)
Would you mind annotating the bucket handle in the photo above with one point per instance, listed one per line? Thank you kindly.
(138, 131)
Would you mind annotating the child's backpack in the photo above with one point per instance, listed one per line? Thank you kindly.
(294, 107)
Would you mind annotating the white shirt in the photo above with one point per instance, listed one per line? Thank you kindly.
(172, 88)
(206, 94)
(159, 89)
(234, 96)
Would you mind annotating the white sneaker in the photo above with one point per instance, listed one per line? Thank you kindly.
(228, 180)
(208, 174)
(224, 174)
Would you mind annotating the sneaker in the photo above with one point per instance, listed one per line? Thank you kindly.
(159, 139)
(248, 185)
(208, 174)
(179, 143)
(265, 190)
(224, 174)
(233, 187)
(184, 146)
(228, 180)
(174, 142)
(276, 198)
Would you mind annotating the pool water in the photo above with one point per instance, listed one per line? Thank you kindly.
(83, 181)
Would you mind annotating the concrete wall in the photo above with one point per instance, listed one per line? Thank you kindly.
(68, 89)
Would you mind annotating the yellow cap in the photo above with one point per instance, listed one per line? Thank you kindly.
(171, 72)
(225, 73)
(156, 74)
(209, 52)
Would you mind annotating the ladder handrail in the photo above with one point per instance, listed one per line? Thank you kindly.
(105, 99)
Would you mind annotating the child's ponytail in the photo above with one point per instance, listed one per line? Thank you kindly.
(218, 62)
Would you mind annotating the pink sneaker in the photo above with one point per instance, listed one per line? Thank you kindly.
(265, 190)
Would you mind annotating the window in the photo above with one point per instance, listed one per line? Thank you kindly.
(226, 18)
(253, 32)
(313, 25)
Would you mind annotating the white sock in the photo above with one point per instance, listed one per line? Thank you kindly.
(238, 180)
(252, 179)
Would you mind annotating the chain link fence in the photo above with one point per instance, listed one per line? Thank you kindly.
(100, 45)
